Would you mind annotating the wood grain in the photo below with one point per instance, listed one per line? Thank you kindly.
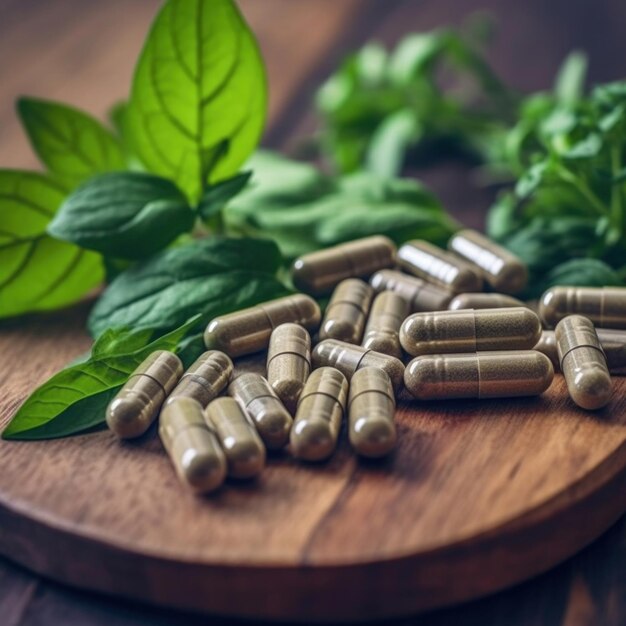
(479, 495)
(56, 46)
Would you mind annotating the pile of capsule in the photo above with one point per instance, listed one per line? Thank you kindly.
(421, 301)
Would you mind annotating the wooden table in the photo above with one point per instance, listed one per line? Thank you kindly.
(83, 53)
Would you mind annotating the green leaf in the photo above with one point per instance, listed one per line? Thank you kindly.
(217, 196)
(199, 82)
(124, 215)
(581, 273)
(570, 80)
(37, 272)
(209, 276)
(75, 399)
(336, 210)
(390, 143)
(73, 145)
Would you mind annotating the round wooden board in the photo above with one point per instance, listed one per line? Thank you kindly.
(478, 496)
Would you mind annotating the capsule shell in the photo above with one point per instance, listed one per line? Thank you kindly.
(444, 332)
(424, 260)
(420, 294)
(289, 363)
(483, 301)
(348, 358)
(604, 306)
(317, 273)
(243, 448)
(260, 402)
(347, 311)
(388, 311)
(501, 269)
(318, 418)
(138, 403)
(371, 409)
(192, 446)
(547, 345)
(205, 379)
(505, 374)
(249, 330)
(583, 362)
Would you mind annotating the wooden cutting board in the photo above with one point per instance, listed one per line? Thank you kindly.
(478, 496)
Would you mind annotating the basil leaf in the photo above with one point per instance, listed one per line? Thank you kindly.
(73, 145)
(570, 80)
(75, 399)
(336, 210)
(209, 276)
(580, 272)
(37, 272)
(124, 215)
(199, 82)
(218, 195)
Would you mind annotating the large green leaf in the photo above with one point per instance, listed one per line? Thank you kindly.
(127, 215)
(73, 145)
(199, 84)
(75, 398)
(37, 272)
(209, 276)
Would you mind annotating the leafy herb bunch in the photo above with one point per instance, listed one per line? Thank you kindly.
(565, 216)
(144, 207)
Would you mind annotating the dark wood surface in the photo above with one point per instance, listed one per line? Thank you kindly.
(83, 53)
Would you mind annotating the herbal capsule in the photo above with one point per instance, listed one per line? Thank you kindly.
(243, 448)
(318, 418)
(260, 402)
(501, 269)
(483, 301)
(136, 406)
(429, 262)
(421, 295)
(192, 446)
(205, 379)
(388, 311)
(505, 374)
(348, 358)
(583, 362)
(289, 363)
(613, 344)
(347, 311)
(604, 306)
(547, 345)
(516, 328)
(318, 272)
(371, 409)
(249, 330)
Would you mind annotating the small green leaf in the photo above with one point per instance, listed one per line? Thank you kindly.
(570, 80)
(390, 143)
(37, 272)
(581, 273)
(75, 399)
(215, 198)
(126, 215)
(73, 145)
(200, 81)
(209, 276)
